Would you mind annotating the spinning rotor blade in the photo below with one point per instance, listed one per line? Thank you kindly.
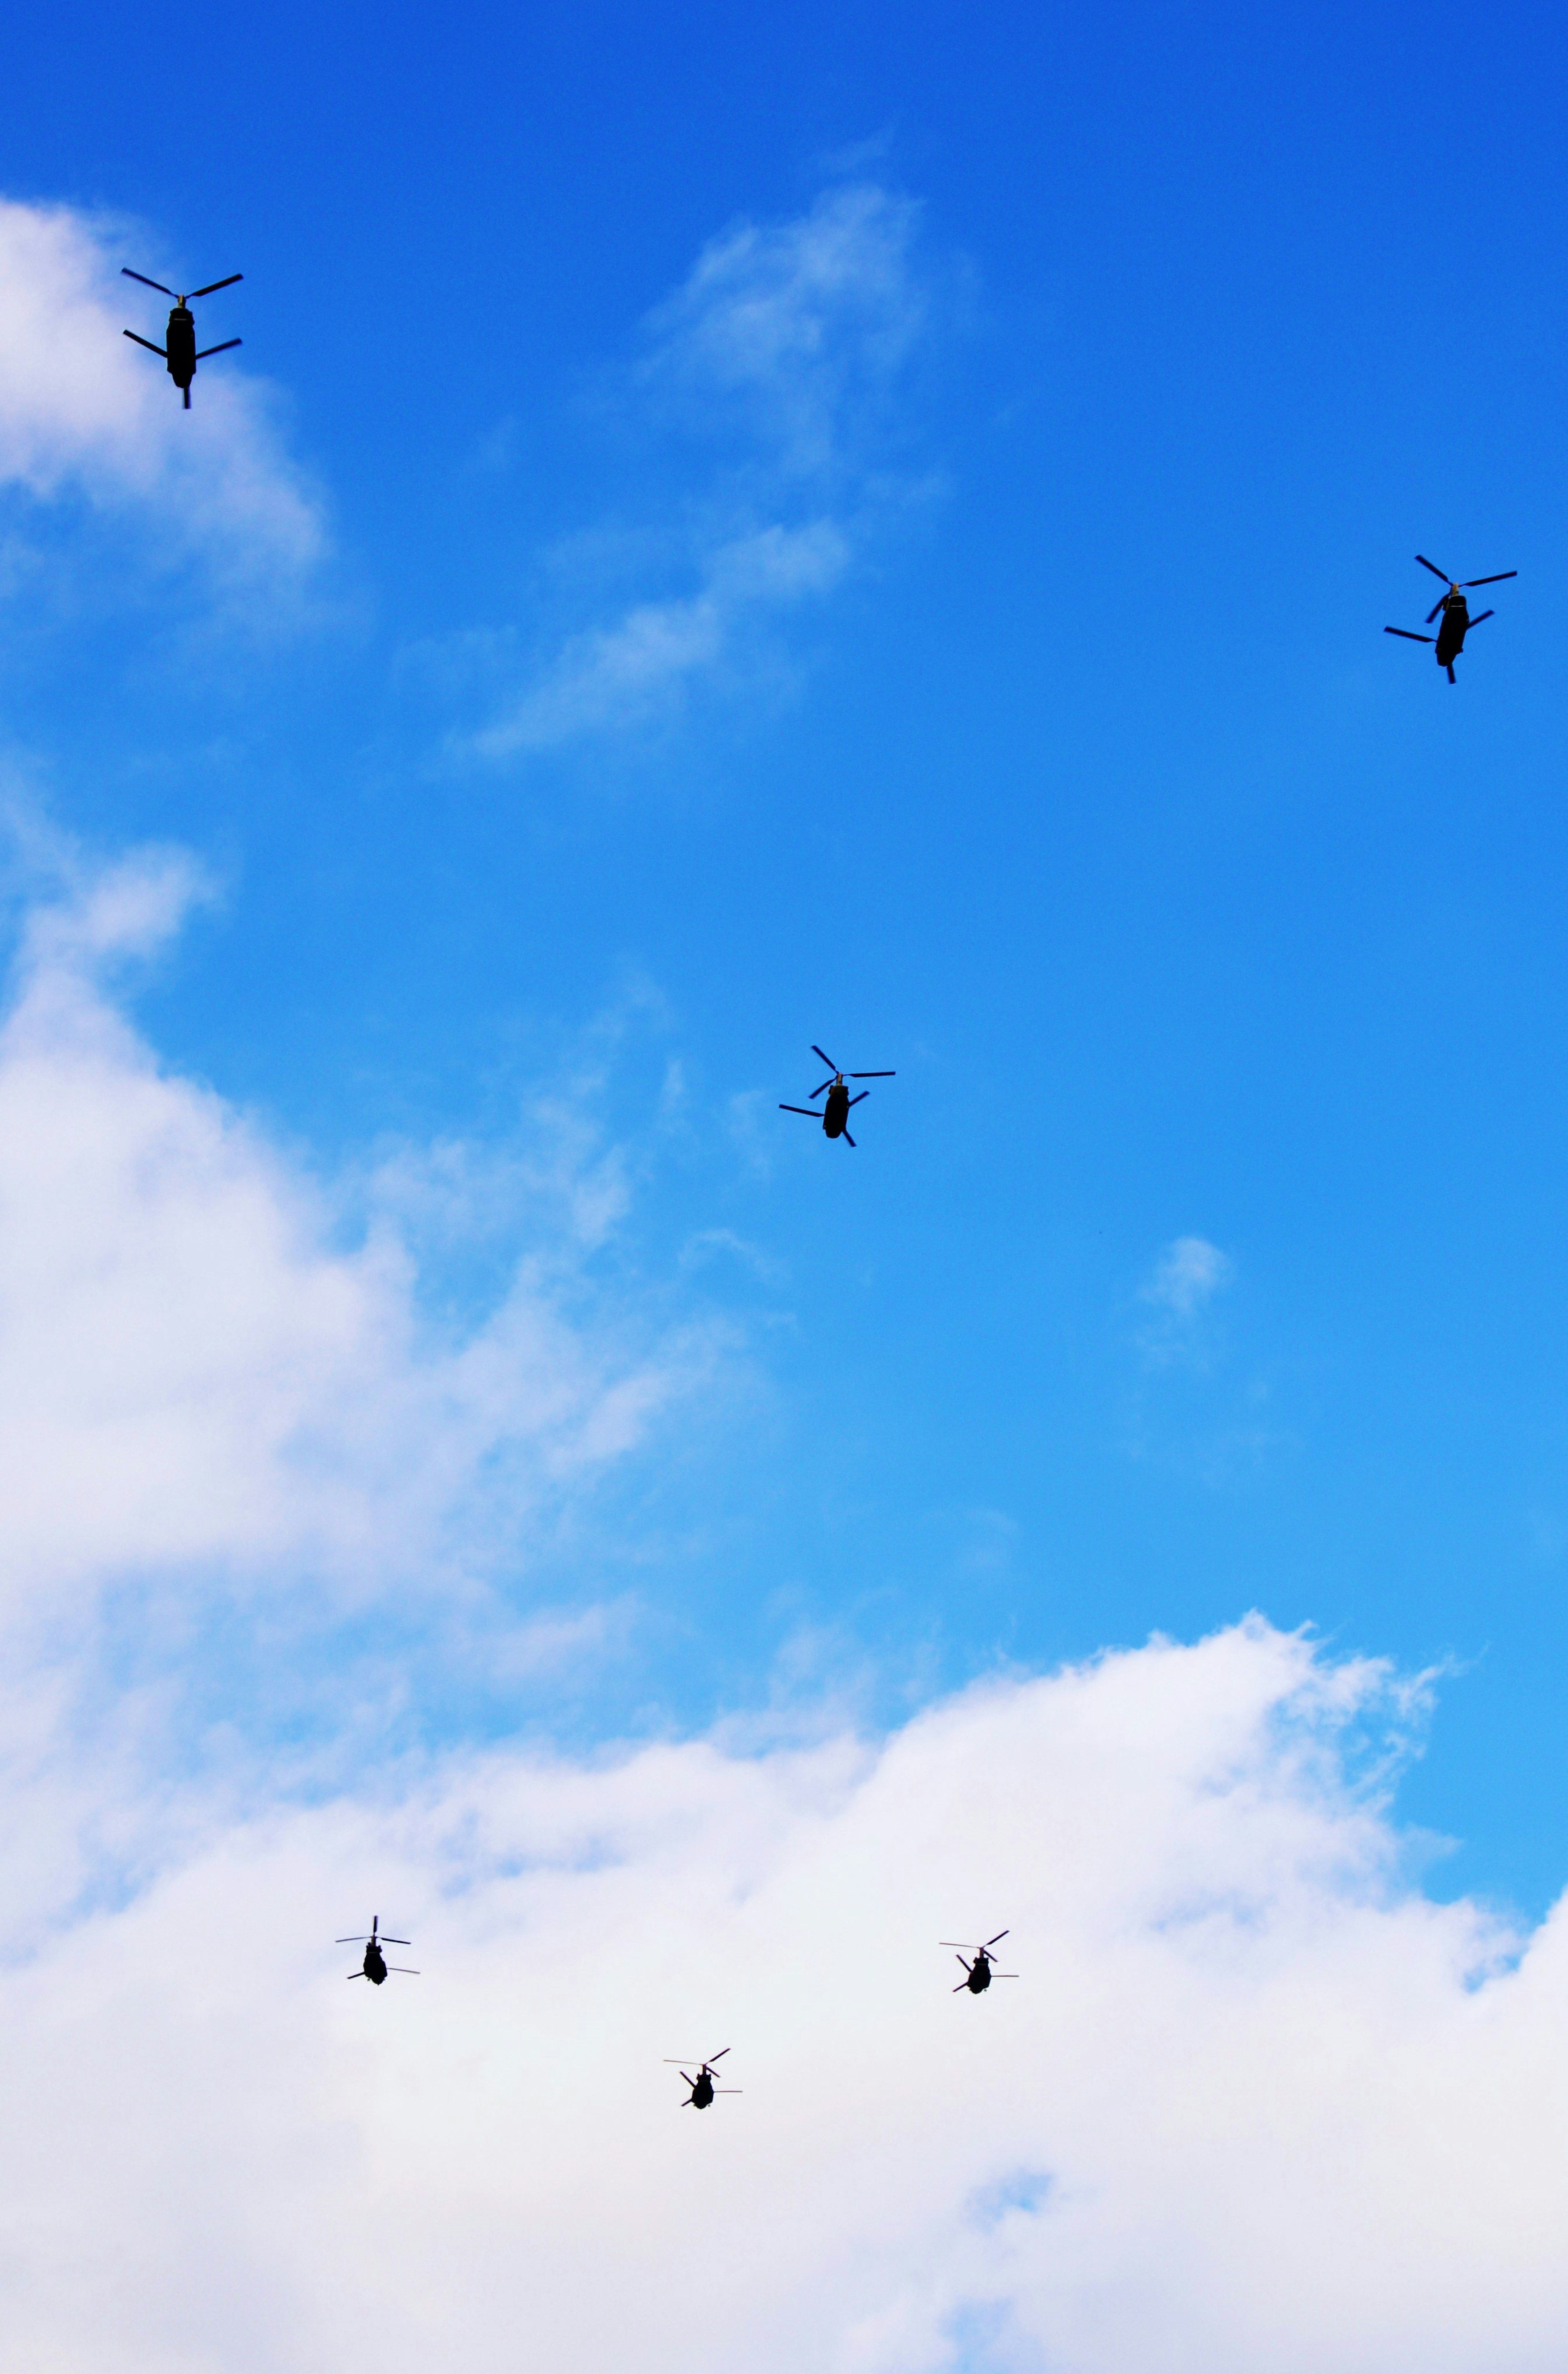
(149, 343)
(1435, 609)
(996, 1940)
(408, 1941)
(351, 1941)
(1407, 634)
(860, 1099)
(873, 1076)
(1485, 613)
(1491, 580)
(714, 2058)
(826, 1059)
(816, 1116)
(957, 1940)
(219, 350)
(217, 284)
(401, 1971)
(729, 2089)
(145, 281)
(1434, 569)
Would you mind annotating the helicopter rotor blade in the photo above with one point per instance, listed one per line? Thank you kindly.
(1492, 581)
(826, 1084)
(211, 284)
(351, 1941)
(816, 1116)
(397, 1941)
(401, 1971)
(995, 1941)
(873, 1076)
(826, 1059)
(146, 282)
(960, 1986)
(848, 1139)
(1434, 569)
(1408, 636)
(1484, 614)
(956, 1941)
(205, 351)
(149, 343)
(1435, 609)
(354, 1974)
(860, 1099)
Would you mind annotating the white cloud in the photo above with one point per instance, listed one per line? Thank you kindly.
(784, 351)
(1254, 2100)
(83, 411)
(803, 324)
(640, 668)
(195, 1376)
(1187, 1274)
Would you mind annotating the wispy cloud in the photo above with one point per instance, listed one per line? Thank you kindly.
(201, 1391)
(783, 355)
(1189, 1273)
(84, 413)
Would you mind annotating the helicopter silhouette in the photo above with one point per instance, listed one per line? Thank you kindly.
(702, 2084)
(835, 1114)
(375, 1964)
(978, 1973)
(1457, 618)
(180, 354)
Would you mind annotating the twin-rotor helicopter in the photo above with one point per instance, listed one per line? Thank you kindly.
(179, 352)
(702, 2084)
(375, 1965)
(1457, 619)
(978, 1974)
(835, 1114)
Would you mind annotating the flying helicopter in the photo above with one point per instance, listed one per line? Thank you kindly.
(180, 354)
(1457, 618)
(835, 1114)
(375, 1964)
(978, 1973)
(702, 2084)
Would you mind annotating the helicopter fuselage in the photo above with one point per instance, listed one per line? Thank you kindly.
(702, 2092)
(979, 1977)
(375, 1965)
(836, 1112)
(1452, 632)
(180, 347)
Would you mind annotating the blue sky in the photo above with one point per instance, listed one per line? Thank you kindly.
(857, 526)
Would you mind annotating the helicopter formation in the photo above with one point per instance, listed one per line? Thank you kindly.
(979, 1975)
(180, 355)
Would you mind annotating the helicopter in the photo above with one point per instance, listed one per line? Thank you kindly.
(180, 354)
(702, 2084)
(835, 1114)
(1457, 618)
(978, 1973)
(376, 1964)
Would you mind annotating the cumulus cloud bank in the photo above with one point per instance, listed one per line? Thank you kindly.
(83, 412)
(784, 350)
(1254, 2100)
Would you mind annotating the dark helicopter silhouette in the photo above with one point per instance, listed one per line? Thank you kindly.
(702, 2084)
(978, 1973)
(835, 1114)
(180, 354)
(1457, 618)
(376, 1964)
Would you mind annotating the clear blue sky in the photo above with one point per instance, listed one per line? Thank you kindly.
(1087, 791)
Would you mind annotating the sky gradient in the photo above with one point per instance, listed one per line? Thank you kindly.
(854, 526)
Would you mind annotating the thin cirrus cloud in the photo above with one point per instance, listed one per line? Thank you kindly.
(783, 355)
(1242, 2042)
(84, 413)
